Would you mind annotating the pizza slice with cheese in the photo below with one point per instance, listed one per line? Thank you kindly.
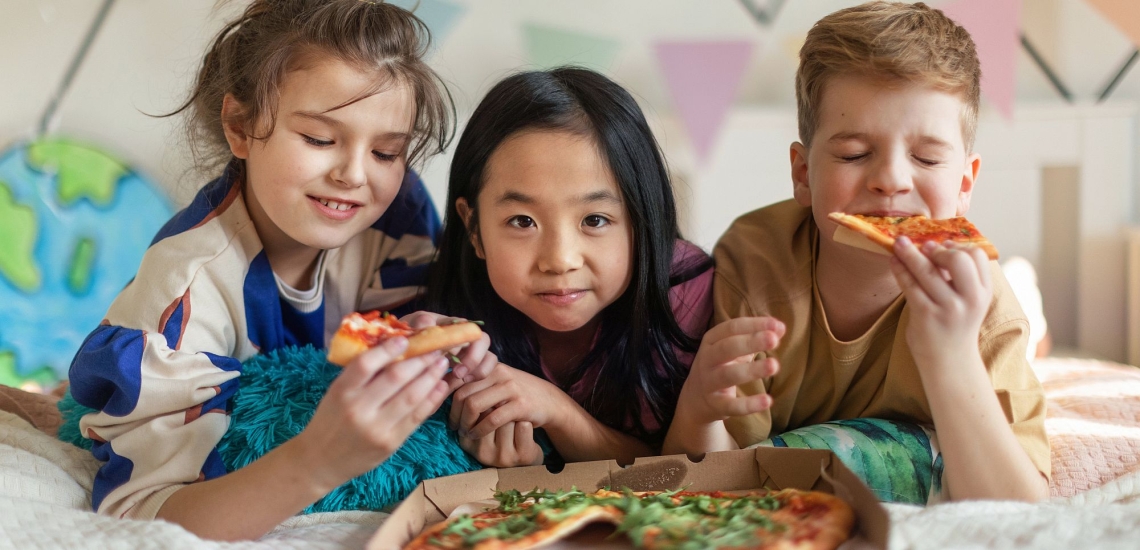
(878, 233)
(358, 332)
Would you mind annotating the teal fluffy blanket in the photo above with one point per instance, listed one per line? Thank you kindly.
(279, 393)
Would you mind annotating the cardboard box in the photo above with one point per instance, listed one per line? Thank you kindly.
(774, 468)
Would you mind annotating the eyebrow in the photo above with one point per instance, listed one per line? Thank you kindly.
(861, 136)
(596, 196)
(338, 124)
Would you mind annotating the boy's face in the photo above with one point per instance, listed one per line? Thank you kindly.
(884, 149)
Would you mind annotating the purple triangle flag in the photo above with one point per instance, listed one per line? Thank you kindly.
(703, 77)
(995, 26)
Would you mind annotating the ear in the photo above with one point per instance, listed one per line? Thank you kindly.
(801, 190)
(465, 211)
(233, 123)
(969, 177)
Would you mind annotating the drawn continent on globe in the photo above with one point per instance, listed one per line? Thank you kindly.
(74, 224)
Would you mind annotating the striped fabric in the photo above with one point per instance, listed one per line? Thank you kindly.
(164, 364)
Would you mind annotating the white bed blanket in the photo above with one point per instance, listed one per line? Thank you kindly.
(45, 488)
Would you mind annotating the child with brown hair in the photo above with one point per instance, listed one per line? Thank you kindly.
(319, 107)
(808, 330)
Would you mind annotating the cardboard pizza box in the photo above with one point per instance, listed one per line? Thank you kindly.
(760, 467)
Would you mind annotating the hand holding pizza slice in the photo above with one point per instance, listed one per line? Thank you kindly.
(878, 233)
(359, 332)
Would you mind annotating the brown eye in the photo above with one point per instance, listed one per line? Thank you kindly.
(595, 221)
(521, 222)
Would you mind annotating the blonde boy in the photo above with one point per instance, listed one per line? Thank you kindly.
(887, 96)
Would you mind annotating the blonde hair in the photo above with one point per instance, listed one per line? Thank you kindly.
(251, 55)
(888, 41)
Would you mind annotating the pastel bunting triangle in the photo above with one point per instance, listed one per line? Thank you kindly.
(1124, 14)
(551, 47)
(995, 26)
(703, 78)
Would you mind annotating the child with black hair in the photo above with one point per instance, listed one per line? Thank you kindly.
(561, 235)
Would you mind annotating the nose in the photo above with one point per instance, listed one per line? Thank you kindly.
(561, 252)
(891, 175)
(349, 171)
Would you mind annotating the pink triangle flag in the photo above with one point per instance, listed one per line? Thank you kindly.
(995, 26)
(703, 77)
(1125, 14)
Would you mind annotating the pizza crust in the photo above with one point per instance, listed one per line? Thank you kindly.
(843, 235)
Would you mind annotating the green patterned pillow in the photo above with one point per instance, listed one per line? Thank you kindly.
(899, 461)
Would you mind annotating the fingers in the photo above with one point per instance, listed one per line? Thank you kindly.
(505, 441)
(417, 401)
(475, 361)
(459, 400)
(735, 374)
(361, 370)
(511, 411)
(527, 450)
(396, 376)
(734, 346)
(745, 325)
(922, 275)
(727, 406)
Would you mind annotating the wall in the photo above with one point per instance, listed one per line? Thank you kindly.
(148, 52)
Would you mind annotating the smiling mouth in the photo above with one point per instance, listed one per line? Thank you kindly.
(335, 205)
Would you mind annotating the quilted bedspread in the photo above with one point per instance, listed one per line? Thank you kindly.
(1093, 423)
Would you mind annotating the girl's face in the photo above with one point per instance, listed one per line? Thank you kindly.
(553, 228)
(326, 173)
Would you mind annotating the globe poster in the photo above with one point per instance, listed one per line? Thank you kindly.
(74, 224)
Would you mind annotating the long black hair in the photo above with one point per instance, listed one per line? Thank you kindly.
(639, 336)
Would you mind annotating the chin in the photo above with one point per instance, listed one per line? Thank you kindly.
(562, 325)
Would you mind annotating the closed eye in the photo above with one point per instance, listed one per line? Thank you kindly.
(316, 142)
(385, 156)
(927, 162)
(852, 158)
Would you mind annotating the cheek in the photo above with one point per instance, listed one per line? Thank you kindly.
(617, 263)
(506, 265)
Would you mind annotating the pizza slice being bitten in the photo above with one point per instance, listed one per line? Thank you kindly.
(878, 233)
(359, 332)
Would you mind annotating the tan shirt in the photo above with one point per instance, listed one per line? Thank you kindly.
(765, 265)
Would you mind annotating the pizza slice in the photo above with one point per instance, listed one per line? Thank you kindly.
(878, 233)
(358, 332)
(522, 521)
(785, 520)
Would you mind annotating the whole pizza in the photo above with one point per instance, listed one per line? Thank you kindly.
(762, 519)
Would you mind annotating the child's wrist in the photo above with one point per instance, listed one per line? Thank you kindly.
(317, 474)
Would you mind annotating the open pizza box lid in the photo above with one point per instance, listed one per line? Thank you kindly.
(774, 468)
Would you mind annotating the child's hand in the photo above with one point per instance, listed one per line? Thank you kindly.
(370, 409)
(724, 361)
(475, 359)
(948, 289)
(509, 446)
(506, 395)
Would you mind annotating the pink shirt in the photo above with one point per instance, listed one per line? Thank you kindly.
(692, 308)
